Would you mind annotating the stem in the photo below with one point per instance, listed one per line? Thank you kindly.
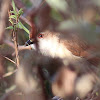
(16, 46)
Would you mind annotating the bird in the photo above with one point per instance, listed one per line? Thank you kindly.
(53, 45)
(74, 52)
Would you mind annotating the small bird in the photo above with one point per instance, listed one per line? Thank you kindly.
(71, 50)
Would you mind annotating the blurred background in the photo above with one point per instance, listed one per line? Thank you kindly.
(67, 17)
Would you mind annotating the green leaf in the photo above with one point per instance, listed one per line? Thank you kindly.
(20, 12)
(13, 16)
(10, 21)
(21, 26)
(9, 27)
(13, 12)
(13, 5)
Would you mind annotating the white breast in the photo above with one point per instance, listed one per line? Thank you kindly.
(52, 47)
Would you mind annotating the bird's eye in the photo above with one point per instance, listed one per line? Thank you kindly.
(40, 35)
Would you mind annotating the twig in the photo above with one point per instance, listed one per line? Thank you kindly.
(14, 33)
(8, 59)
(9, 73)
(16, 46)
(20, 47)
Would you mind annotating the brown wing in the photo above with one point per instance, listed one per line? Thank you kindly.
(81, 48)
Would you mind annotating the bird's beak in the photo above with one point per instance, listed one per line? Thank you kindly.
(31, 43)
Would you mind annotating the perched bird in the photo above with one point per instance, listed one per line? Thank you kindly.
(73, 48)
(75, 54)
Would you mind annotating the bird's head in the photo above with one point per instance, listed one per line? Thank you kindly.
(48, 43)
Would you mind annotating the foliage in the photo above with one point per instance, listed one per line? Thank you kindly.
(67, 17)
(14, 19)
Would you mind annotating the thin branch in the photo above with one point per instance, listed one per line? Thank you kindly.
(16, 46)
(14, 33)
(20, 47)
(9, 60)
(9, 73)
